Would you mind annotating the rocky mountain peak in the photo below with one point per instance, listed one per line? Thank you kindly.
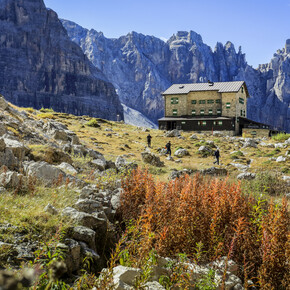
(41, 67)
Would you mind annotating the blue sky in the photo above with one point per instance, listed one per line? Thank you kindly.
(259, 26)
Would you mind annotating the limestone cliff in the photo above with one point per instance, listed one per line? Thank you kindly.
(41, 66)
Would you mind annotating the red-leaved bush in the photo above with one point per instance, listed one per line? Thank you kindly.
(215, 213)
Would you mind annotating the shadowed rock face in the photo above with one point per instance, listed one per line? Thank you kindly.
(141, 67)
(41, 66)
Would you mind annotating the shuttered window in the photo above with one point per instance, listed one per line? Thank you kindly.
(174, 101)
(174, 112)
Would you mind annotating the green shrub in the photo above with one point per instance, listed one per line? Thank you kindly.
(93, 123)
(46, 110)
(281, 137)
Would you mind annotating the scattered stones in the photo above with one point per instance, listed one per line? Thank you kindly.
(246, 176)
(239, 166)
(177, 173)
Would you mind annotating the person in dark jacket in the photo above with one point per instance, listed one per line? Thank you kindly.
(168, 147)
(217, 156)
(149, 137)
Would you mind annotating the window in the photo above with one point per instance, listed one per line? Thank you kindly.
(242, 89)
(228, 105)
(203, 123)
(183, 123)
(210, 101)
(193, 102)
(210, 111)
(218, 101)
(220, 123)
(214, 122)
(202, 101)
(253, 133)
(219, 111)
(174, 101)
(241, 101)
(174, 112)
(193, 112)
(242, 112)
(202, 111)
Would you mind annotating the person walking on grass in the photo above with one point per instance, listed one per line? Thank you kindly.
(217, 156)
(149, 137)
(168, 147)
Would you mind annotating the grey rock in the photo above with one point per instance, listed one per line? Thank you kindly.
(3, 103)
(125, 275)
(153, 286)
(246, 175)
(2, 131)
(152, 159)
(81, 218)
(72, 257)
(281, 159)
(181, 152)
(84, 234)
(173, 133)
(88, 205)
(44, 171)
(51, 209)
(249, 142)
(115, 200)
(214, 171)
(67, 168)
(194, 137)
(18, 148)
(57, 74)
(99, 164)
(239, 166)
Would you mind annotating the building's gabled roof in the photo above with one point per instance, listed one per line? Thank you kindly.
(221, 87)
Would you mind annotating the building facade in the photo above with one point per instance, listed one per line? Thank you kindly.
(219, 106)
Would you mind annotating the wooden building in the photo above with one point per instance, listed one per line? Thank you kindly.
(219, 106)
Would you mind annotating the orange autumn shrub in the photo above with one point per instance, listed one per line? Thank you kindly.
(214, 213)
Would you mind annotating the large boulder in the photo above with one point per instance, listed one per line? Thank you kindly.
(88, 205)
(44, 171)
(72, 254)
(67, 168)
(214, 171)
(84, 234)
(181, 152)
(81, 218)
(18, 148)
(250, 142)
(10, 179)
(125, 277)
(152, 159)
(173, 133)
(7, 158)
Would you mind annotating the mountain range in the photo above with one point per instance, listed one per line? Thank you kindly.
(48, 62)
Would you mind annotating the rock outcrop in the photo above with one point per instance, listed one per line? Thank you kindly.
(41, 67)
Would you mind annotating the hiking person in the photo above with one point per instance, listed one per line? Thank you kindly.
(217, 156)
(168, 147)
(149, 137)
